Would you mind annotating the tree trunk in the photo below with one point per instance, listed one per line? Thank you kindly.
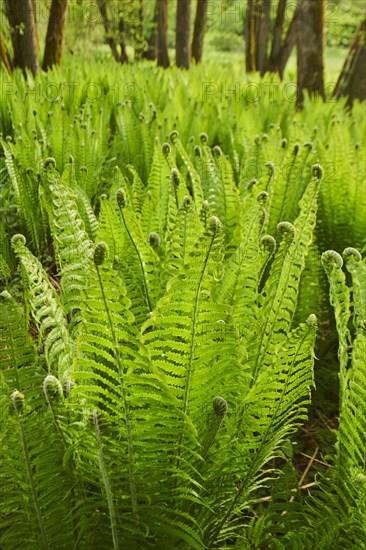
(152, 43)
(4, 54)
(139, 36)
(288, 46)
(277, 35)
(264, 12)
(23, 34)
(55, 34)
(310, 48)
(111, 41)
(199, 30)
(250, 36)
(34, 6)
(122, 40)
(163, 55)
(352, 80)
(111, 37)
(182, 45)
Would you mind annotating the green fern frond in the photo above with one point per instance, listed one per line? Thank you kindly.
(73, 250)
(284, 392)
(46, 310)
(16, 346)
(340, 300)
(279, 298)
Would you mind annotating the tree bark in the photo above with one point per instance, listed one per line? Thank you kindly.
(199, 30)
(182, 45)
(152, 43)
(310, 48)
(263, 17)
(288, 46)
(55, 34)
(250, 36)
(4, 54)
(163, 55)
(122, 40)
(111, 41)
(110, 32)
(23, 34)
(277, 35)
(352, 80)
(34, 7)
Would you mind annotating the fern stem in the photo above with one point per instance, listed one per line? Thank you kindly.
(146, 293)
(17, 400)
(215, 226)
(194, 320)
(124, 398)
(13, 357)
(286, 192)
(107, 487)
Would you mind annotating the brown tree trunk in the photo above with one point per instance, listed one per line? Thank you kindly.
(182, 44)
(199, 30)
(264, 12)
(4, 54)
(310, 48)
(55, 34)
(111, 41)
(122, 40)
(163, 55)
(251, 25)
(288, 46)
(352, 80)
(23, 34)
(277, 35)
(152, 44)
(34, 6)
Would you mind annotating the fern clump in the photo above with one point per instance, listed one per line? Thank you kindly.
(165, 294)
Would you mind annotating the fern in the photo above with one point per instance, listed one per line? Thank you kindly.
(46, 310)
(278, 307)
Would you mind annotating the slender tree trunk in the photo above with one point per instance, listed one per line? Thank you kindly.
(34, 6)
(139, 37)
(163, 55)
(199, 30)
(352, 80)
(152, 43)
(182, 45)
(111, 37)
(288, 46)
(256, 35)
(250, 36)
(55, 34)
(264, 12)
(111, 41)
(277, 35)
(4, 54)
(122, 40)
(23, 34)
(310, 48)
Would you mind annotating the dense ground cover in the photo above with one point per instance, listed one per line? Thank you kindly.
(168, 246)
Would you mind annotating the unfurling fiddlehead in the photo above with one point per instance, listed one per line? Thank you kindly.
(220, 409)
(53, 391)
(154, 240)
